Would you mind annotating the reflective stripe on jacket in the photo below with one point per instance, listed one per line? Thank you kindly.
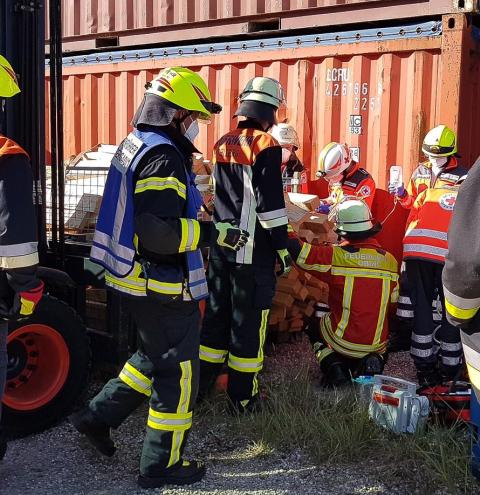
(114, 243)
(18, 228)
(363, 284)
(249, 191)
(431, 201)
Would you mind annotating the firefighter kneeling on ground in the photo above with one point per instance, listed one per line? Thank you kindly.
(20, 289)
(430, 195)
(147, 238)
(287, 138)
(344, 175)
(363, 288)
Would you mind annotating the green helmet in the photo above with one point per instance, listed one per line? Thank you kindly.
(352, 217)
(185, 89)
(264, 90)
(440, 141)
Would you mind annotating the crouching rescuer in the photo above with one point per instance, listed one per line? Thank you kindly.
(148, 240)
(363, 288)
(20, 289)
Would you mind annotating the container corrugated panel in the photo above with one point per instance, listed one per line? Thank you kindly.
(380, 97)
(137, 22)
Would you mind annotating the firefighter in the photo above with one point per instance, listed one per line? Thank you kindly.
(287, 138)
(431, 195)
(20, 289)
(363, 287)
(461, 283)
(344, 175)
(249, 191)
(148, 238)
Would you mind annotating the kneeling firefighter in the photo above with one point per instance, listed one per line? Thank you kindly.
(20, 289)
(248, 189)
(363, 288)
(148, 239)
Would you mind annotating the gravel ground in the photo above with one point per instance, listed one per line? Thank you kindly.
(60, 462)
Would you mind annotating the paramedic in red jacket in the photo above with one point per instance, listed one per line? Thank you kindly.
(363, 287)
(344, 175)
(430, 196)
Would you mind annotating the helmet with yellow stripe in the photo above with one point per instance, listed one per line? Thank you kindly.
(184, 88)
(439, 142)
(8, 80)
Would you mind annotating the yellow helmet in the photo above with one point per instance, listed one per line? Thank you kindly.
(8, 80)
(440, 141)
(184, 89)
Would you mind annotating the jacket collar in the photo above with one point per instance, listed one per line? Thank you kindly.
(10, 147)
(249, 124)
(183, 144)
(351, 170)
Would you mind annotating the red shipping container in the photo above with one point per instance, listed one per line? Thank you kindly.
(379, 96)
(90, 24)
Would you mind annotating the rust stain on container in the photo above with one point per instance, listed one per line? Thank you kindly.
(380, 97)
(140, 22)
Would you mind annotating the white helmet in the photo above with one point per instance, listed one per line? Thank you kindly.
(285, 134)
(333, 160)
(352, 216)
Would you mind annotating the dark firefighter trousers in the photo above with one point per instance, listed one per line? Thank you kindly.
(165, 370)
(431, 341)
(234, 327)
(3, 359)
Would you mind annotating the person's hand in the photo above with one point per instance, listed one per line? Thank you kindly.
(285, 261)
(398, 191)
(324, 208)
(230, 236)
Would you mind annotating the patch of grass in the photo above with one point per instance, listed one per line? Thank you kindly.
(335, 427)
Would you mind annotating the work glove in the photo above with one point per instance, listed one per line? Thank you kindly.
(285, 261)
(24, 304)
(324, 209)
(231, 237)
(398, 191)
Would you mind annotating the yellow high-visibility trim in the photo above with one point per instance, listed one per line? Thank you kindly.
(383, 311)
(136, 380)
(461, 314)
(323, 353)
(474, 376)
(160, 184)
(190, 235)
(27, 307)
(182, 409)
(302, 258)
(245, 365)
(347, 302)
(171, 288)
(212, 355)
(364, 272)
(395, 294)
(170, 416)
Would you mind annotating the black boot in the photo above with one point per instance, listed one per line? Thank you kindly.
(185, 474)
(336, 376)
(429, 378)
(3, 445)
(312, 329)
(97, 432)
(371, 364)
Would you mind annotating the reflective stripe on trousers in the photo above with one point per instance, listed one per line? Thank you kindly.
(180, 421)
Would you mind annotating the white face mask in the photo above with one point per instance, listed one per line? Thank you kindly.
(438, 163)
(192, 132)
(286, 154)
